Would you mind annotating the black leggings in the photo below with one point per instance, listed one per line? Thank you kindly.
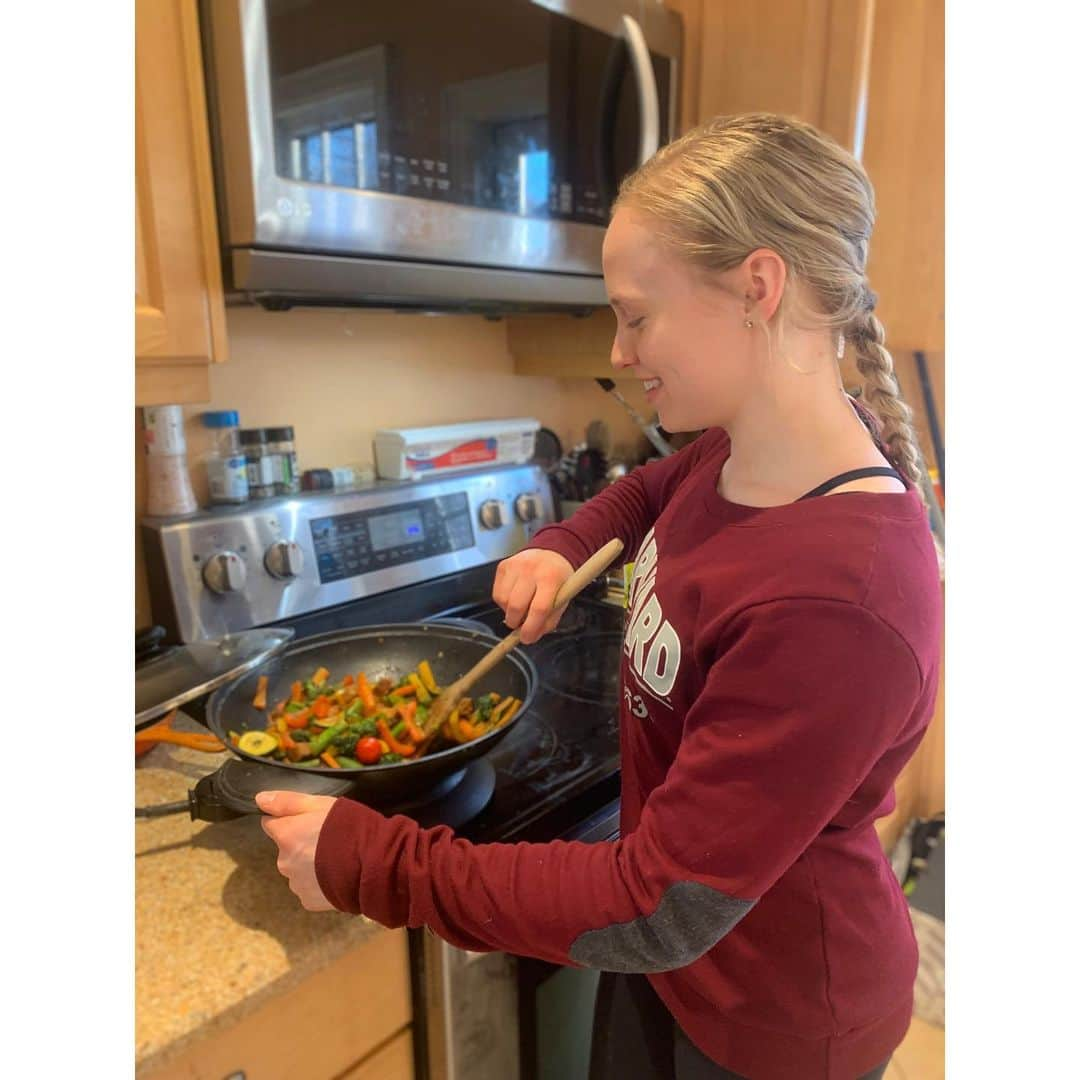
(636, 1038)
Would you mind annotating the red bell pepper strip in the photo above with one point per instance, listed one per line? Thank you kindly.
(387, 736)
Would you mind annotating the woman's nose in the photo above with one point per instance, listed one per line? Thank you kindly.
(620, 357)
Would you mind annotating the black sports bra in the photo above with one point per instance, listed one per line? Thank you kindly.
(852, 474)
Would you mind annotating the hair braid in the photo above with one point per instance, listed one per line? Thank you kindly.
(882, 394)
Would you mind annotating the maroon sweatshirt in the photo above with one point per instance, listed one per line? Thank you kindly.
(779, 668)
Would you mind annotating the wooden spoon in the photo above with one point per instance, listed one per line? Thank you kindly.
(445, 703)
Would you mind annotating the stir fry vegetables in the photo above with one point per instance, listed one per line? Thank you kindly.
(355, 723)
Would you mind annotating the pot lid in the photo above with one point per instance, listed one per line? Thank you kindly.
(187, 672)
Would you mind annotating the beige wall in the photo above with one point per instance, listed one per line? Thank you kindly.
(337, 375)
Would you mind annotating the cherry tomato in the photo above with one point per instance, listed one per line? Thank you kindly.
(368, 750)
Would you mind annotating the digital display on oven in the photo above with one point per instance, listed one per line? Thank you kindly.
(347, 545)
(393, 530)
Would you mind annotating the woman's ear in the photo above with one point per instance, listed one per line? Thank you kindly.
(763, 277)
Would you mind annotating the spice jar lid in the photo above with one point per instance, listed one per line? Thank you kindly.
(280, 434)
(226, 419)
(252, 436)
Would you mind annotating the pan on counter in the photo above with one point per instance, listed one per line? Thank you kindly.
(391, 650)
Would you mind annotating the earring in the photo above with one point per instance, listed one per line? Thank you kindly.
(748, 324)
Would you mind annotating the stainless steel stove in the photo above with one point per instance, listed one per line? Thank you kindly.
(403, 552)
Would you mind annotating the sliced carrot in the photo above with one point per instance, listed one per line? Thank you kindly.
(329, 759)
(297, 694)
(320, 676)
(347, 681)
(259, 701)
(367, 695)
(404, 691)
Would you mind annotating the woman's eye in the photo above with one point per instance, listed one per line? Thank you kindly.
(634, 324)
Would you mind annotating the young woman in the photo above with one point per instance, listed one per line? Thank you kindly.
(780, 658)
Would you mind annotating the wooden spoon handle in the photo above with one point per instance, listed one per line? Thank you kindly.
(590, 569)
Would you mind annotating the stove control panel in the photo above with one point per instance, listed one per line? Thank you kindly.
(230, 569)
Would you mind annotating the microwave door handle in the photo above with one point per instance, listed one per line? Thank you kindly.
(614, 73)
(648, 96)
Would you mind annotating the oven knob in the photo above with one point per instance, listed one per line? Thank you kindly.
(224, 572)
(493, 514)
(284, 559)
(528, 507)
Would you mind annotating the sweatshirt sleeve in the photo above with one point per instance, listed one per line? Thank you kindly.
(629, 507)
(763, 765)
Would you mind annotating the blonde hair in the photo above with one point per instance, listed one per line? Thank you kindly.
(737, 183)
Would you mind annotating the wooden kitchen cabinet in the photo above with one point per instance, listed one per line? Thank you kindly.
(349, 1020)
(179, 301)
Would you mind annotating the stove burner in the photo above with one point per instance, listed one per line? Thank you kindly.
(583, 667)
(529, 749)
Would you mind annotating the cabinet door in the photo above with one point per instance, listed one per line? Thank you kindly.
(804, 58)
(179, 307)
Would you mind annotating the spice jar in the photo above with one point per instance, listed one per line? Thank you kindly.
(260, 464)
(226, 463)
(168, 480)
(283, 449)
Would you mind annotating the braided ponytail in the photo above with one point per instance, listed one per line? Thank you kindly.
(882, 394)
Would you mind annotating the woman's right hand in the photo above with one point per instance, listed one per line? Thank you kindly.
(525, 588)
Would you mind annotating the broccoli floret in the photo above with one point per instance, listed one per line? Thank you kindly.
(300, 735)
(484, 705)
(389, 759)
(345, 741)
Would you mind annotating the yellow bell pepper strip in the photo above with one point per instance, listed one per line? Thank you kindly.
(427, 676)
(508, 715)
(453, 720)
(422, 694)
(407, 712)
(259, 700)
(404, 749)
(501, 708)
(283, 735)
(330, 760)
(297, 694)
(367, 695)
(320, 676)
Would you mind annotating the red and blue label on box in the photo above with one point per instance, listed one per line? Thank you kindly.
(470, 453)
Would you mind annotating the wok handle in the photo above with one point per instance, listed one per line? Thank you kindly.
(588, 571)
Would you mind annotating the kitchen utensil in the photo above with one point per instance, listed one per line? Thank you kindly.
(591, 471)
(548, 450)
(388, 649)
(445, 703)
(598, 437)
(163, 732)
(664, 448)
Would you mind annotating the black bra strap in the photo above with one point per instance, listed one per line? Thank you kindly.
(853, 474)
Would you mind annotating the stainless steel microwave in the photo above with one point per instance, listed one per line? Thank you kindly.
(430, 154)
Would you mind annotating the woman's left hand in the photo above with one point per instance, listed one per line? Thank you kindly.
(293, 823)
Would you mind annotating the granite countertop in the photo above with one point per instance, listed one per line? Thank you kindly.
(217, 931)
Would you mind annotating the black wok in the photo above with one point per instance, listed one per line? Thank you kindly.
(389, 650)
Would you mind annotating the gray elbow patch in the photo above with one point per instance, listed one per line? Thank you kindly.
(689, 920)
